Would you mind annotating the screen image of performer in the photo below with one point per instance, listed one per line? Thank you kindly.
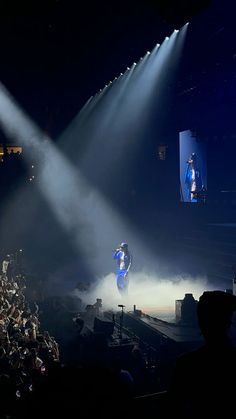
(123, 257)
(192, 178)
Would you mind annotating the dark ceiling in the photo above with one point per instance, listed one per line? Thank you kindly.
(56, 54)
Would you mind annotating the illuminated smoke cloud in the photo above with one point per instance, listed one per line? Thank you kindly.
(149, 292)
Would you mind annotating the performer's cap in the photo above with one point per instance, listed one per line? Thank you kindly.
(124, 244)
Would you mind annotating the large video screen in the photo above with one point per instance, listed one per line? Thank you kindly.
(193, 168)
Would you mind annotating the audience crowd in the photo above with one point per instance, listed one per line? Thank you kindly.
(37, 380)
(26, 352)
(88, 377)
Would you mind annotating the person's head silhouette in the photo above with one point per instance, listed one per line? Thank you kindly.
(215, 311)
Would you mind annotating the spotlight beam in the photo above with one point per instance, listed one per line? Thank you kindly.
(76, 204)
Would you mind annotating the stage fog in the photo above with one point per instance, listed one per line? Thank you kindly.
(149, 292)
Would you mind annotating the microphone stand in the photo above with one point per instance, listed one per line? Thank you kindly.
(121, 320)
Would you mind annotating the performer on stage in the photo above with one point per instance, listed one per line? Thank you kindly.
(192, 178)
(123, 257)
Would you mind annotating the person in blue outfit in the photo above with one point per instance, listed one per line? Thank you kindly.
(123, 257)
(192, 178)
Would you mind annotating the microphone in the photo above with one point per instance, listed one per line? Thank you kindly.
(120, 305)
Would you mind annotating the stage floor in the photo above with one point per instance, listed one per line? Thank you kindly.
(166, 314)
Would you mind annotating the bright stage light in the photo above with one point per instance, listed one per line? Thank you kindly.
(75, 202)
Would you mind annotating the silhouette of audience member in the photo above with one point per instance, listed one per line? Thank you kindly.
(138, 371)
(202, 384)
